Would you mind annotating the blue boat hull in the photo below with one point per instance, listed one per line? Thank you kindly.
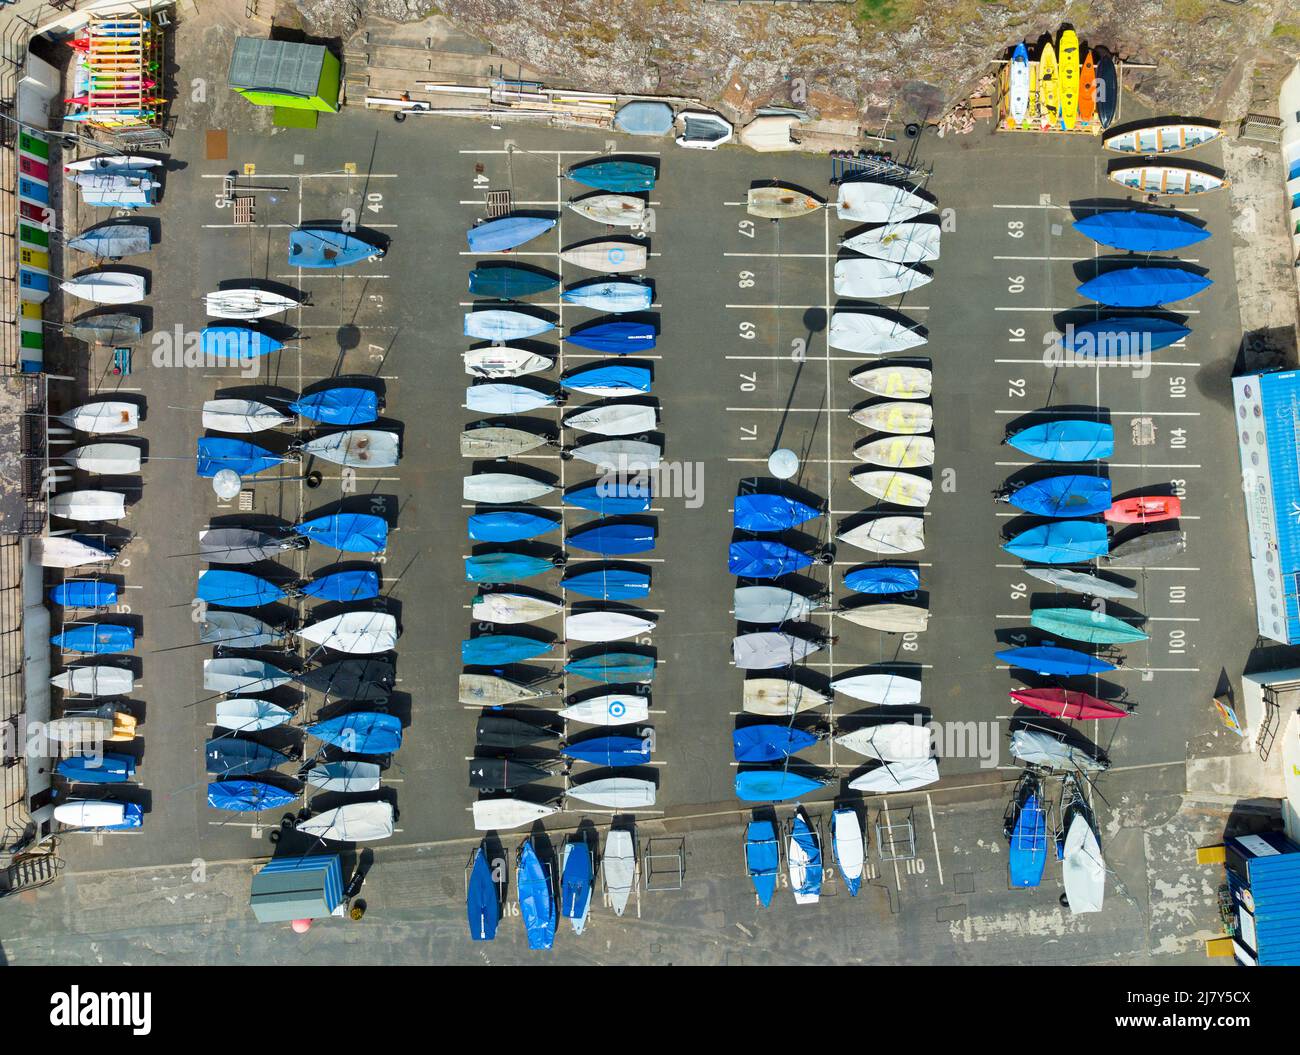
(1139, 231)
(1061, 542)
(1064, 496)
(883, 580)
(1051, 659)
(764, 560)
(772, 785)
(328, 249)
(1144, 287)
(1066, 441)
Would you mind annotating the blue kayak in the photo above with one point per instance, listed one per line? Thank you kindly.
(610, 751)
(216, 453)
(1144, 287)
(611, 497)
(615, 176)
(764, 559)
(616, 296)
(229, 757)
(536, 899)
(509, 232)
(1124, 338)
(230, 343)
(1140, 231)
(607, 584)
(510, 525)
(773, 785)
(615, 338)
(1066, 441)
(482, 905)
(361, 732)
(755, 512)
(322, 248)
(504, 567)
(96, 639)
(509, 283)
(236, 589)
(883, 578)
(613, 667)
(1051, 659)
(768, 743)
(247, 796)
(762, 859)
(349, 532)
(1064, 496)
(96, 769)
(359, 584)
(344, 405)
(84, 593)
(613, 539)
(608, 379)
(1061, 542)
(498, 650)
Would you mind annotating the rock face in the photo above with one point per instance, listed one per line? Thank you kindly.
(901, 58)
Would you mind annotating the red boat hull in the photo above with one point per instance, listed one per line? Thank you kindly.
(1066, 703)
(1145, 509)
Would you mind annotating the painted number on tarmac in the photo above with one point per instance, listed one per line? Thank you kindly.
(1016, 228)
(746, 279)
(746, 227)
(748, 331)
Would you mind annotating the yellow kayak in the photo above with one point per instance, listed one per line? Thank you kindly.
(1047, 83)
(1068, 79)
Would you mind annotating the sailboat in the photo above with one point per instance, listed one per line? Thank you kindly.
(1025, 827)
(850, 853)
(576, 879)
(804, 860)
(482, 906)
(1083, 869)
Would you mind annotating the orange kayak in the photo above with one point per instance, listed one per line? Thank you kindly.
(1144, 509)
(1088, 89)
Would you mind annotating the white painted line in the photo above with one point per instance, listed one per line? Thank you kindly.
(1113, 413)
(1112, 465)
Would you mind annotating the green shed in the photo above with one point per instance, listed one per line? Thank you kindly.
(286, 75)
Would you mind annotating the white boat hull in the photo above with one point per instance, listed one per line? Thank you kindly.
(513, 608)
(886, 690)
(357, 822)
(619, 864)
(867, 202)
(502, 489)
(617, 793)
(107, 287)
(894, 487)
(898, 776)
(107, 459)
(605, 626)
(865, 334)
(241, 416)
(89, 507)
(95, 681)
(868, 279)
(504, 814)
(894, 381)
(887, 535)
(608, 709)
(897, 452)
(356, 633)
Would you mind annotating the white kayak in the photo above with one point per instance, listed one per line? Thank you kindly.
(871, 279)
(109, 162)
(108, 459)
(615, 210)
(894, 381)
(770, 649)
(889, 617)
(103, 418)
(778, 697)
(903, 243)
(97, 680)
(504, 361)
(349, 776)
(610, 258)
(620, 455)
(241, 415)
(246, 303)
(60, 551)
(894, 742)
(617, 793)
(896, 452)
(1083, 870)
(357, 448)
(503, 488)
(866, 201)
(898, 776)
(770, 604)
(88, 813)
(88, 506)
(107, 287)
(609, 708)
(503, 814)
(868, 334)
(513, 608)
(897, 488)
(897, 417)
(613, 419)
(619, 865)
(893, 534)
(357, 822)
(358, 633)
(605, 626)
(887, 690)
(248, 714)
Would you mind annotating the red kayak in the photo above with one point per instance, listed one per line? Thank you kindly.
(1145, 509)
(1065, 703)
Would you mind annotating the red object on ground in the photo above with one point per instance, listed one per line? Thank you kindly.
(1145, 509)
(1066, 703)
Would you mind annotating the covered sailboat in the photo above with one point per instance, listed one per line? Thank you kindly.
(536, 898)
(1083, 869)
(482, 903)
(1141, 230)
(1025, 828)
(1063, 496)
(1061, 542)
(762, 859)
(1070, 440)
(804, 858)
(849, 847)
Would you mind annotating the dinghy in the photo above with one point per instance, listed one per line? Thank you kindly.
(113, 241)
(1144, 287)
(607, 583)
(497, 397)
(605, 626)
(360, 732)
(482, 440)
(499, 324)
(768, 650)
(108, 459)
(902, 243)
(1084, 624)
(1066, 703)
(609, 708)
(779, 203)
(90, 729)
(770, 512)
(215, 454)
(503, 488)
(615, 175)
(231, 345)
(613, 297)
(611, 497)
(1126, 339)
(607, 257)
(109, 162)
(499, 650)
(888, 534)
(371, 680)
(644, 117)
(1026, 830)
(95, 639)
(610, 538)
(887, 690)
(505, 282)
(313, 247)
(107, 287)
(1050, 659)
(849, 847)
(891, 742)
(608, 379)
(1083, 870)
(773, 785)
(239, 631)
(893, 381)
(242, 675)
(577, 877)
(347, 777)
(510, 525)
(88, 506)
(248, 714)
(1063, 496)
(777, 697)
(615, 338)
(896, 417)
(103, 768)
(357, 448)
(897, 488)
(768, 743)
(84, 593)
(888, 618)
(487, 690)
(359, 633)
(1018, 80)
(613, 668)
(702, 130)
(533, 887)
(620, 455)
(99, 815)
(97, 680)
(247, 796)
(1163, 138)
(872, 279)
(1066, 441)
(1168, 178)
(118, 181)
(509, 731)
(103, 418)
(228, 757)
(619, 867)
(509, 232)
(513, 608)
(762, 859)
(482, 903)
(1145, 509)
(240, 546)
(613, 210)
(1081, 582)
(866, 201)
(616, 752)
(356, 822)
(505, 567)
(61, 551)
(504, 774)
(241, 416)
(898, 776)
(1060, 542)
(1140, 230)
(764, 559)
(896, 452)
(246, 303)
(110, 328)
(615, 793)
(613, 419)
(771, 604)
(1148, 550)
(804, 859)
(868, 334)
(504, 361)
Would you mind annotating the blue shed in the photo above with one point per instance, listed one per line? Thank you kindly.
(290, 888)
(1264, 881)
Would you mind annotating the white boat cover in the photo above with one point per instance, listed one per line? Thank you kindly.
(897, 488)
(359, 633)
(616, 210)
(887, 535)
(908, 243)
(866, 201)
(96, 680)
(770, 649)
(110, 459)
(866, 278)
(503, 814)
(608, 709)
(88, 506)
(488, 690)
(897, 452)
(1081, 582)
(1083, 869)
(356, 822)
(1040, 748)
(619, 864)
(79, 729)
(610, 257)
(241, 415)
(898, 776)
(620, 456)
(894, 742)
(890, 690)
(349, 776)
(513, 608)
(779, 697)
(614, 419)
(617, 793)
(504, 361)
(898, 417)
(868, 334)
(503, 488)
(59, 551)
(248, 714)
(246, 303)
(888, 617)
(894, 381)
(103, 418)
(770, 604)
(107, 287)
(605, 626)
(359, 448)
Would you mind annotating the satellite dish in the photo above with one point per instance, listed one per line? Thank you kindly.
(783, 463)
(226, 483)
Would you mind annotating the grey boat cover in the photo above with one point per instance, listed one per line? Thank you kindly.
(113, 241)
(1043, 749)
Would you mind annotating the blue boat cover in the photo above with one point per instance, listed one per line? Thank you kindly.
(498, 324)
(236, 342)
(247, 459)
(361, 732)
(133, 816)
(765, 512)
(99, 639)
(1064, 496)
(613, 539)
(247, 796)
(488, 650)
(772, 785)
(230, 757)
(1126, 338)
(576, 880)
(313, 247)
(509, 283)
(97, 769)
(1028, 850)
(615, 338)
(536, 899)
(883, 578)
(764, 559)
(1144, 287)
(355, 584)
(802, 834)
(612, 497)
(344, 405)
(762, 859)
(482, 906)
(645, 118)
(609, 375)
(608, 584)
(612, 295)
(614, 175)
(610, 751)
(504, 567)
(1066, 441)
(1051, 659)
(613, 667)
(236, 589)
(768, 743)
(1061, 542)
(84, 593)
(496, 236)
(1141, 231)
(510, 525)
(349, 532)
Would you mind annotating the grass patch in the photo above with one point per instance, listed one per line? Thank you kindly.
(1286, 29)
(884, 14)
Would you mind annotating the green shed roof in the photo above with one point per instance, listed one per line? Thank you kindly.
(276, 66)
